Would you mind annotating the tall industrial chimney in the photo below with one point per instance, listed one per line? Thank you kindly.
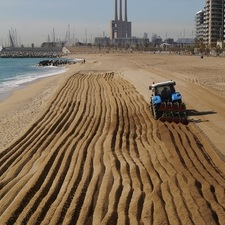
(116, 14)
(121, 17)
(125, 11)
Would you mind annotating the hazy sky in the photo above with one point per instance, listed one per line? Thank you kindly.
(34, 20)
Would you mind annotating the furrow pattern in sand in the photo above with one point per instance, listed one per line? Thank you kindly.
(198, 171)
(96, 156)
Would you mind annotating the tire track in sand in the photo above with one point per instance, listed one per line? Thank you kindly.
(96, 156)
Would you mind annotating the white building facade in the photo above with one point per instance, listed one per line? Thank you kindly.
(199, 25)
(214, 26)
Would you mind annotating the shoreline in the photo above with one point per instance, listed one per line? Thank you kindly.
(54, 67)
(22, 106)
(8, 93)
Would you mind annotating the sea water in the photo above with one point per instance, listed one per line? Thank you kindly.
(17, 72)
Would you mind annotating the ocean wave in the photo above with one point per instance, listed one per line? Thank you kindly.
(16, 76)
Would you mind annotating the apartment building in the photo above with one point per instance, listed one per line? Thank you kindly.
(214, 26)
(199, 25)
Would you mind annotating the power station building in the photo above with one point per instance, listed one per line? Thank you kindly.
(120, 27)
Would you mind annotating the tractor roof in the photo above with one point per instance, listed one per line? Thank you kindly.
(161, 84)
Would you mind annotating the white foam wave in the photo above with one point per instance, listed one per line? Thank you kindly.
(11, 83)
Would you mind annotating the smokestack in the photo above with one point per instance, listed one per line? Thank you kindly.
(116, 15)
(121, 17)
(125, 11)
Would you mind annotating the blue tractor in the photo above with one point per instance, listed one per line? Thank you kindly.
(166, 103)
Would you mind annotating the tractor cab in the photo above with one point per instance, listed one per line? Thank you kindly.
(165, 92)
(166, 102)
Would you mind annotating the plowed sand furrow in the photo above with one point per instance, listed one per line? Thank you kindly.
(111, 215)
(102, 201)
(45, 195)
(116, 192)
(149, 176)
(160, 157)
(123, 162)
(170, 205)
(26, 196)
(204, 178)
(94, 105)
(194, 165)
(35, 151)
(202, 169)
(134, 154)
(140, 118)
(49, 194)
(128, 147)
(86, 215)
(211, 178)
(20, 183)
(217, 209)
(88, 150)
(183, 213)
(188, 200)
(208, 167)
(83, 145)
(139, 127)
(159, 215)
(77, 136)
(29, 133)
(27, 143)
(183, 149)
(131, 155)
(219, 194)
(175, 147)
(123, 207)
(203, 208)
(57, 183)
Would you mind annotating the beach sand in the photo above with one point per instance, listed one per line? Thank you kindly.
(83, 148)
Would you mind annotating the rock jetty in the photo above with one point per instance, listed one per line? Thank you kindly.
(51, 62)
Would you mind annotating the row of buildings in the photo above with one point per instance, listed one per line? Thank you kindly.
(210, 26)
(210, 23)
(210, 29)
(121, 32)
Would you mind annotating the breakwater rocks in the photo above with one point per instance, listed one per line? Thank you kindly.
(56, 62)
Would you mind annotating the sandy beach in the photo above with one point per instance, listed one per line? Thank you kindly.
(83, 148)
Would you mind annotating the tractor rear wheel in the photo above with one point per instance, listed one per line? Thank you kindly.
(155, 112)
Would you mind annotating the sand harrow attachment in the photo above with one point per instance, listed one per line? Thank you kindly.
(173, 112)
